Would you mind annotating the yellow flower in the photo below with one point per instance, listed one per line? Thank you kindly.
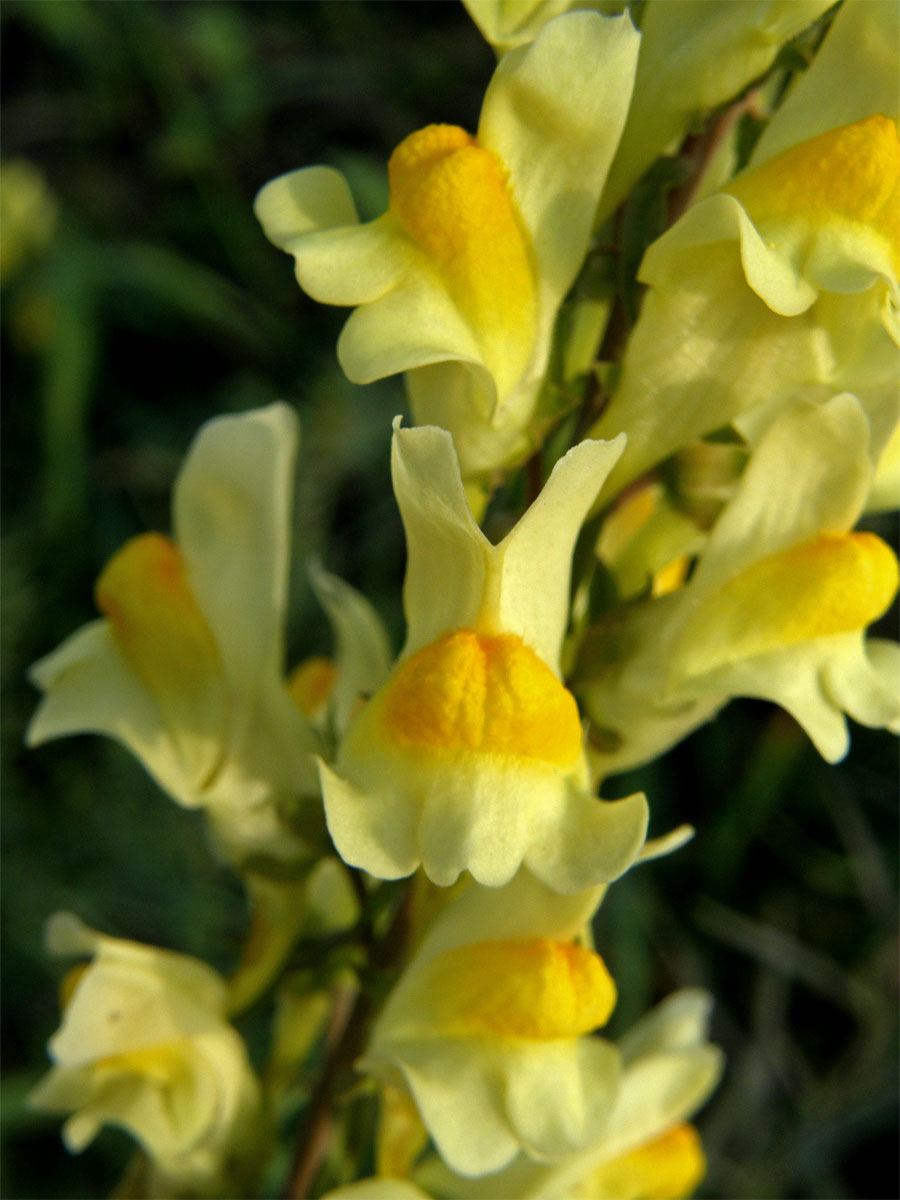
(144, 1044)
(470, 756)
(785, 283)
(487, 1028)
(776, 607)
(459, 282)
(644, 1149)
(185, 666)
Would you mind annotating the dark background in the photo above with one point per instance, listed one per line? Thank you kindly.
(157, 304)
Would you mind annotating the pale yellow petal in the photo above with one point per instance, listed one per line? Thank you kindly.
(146, 595)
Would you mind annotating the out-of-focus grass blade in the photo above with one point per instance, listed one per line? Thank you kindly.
(69, 366)
(192, 291)
(768, 944)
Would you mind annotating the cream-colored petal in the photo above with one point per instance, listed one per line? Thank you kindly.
(187, 671)
(302, 201)
(853, 74)
(232, 513)
(447, 554)
(704, 352)
(455, 578)
(668, 843)
(482, 1100)
(89, 687)
(533, 588)
(525, 907)
(822, 450)
(552, 1119)
(474, 827)
(791, 679)
(80, 1129)
(775, 277)
(853, 354)
(864, 681)
(460, 399)
(363, 651)
(658, 1090)
(461, 1102)
(117, 1010)
(693, 342)
(232, 521)
(66, 934)
(695, 55)
(413, 324)
(885, 493)
(510, 23)
(167, 1121)
(353, 264)
(558, 139)
(827, 208)
(376, 829)
(679, 1022)
(585, 841)
(460, 810)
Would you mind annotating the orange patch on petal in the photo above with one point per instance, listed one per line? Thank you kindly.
(852, 173)
(537, 989)
(486, 695)
(452, 197)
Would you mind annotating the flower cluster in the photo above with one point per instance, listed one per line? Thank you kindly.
(762, 370)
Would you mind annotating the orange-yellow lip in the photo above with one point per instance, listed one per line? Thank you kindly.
(484, 695)
(452, 197)
(851, 173)
(536, 989)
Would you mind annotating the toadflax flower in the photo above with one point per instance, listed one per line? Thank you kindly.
(459, 282)
(185, 665)
(470, 756)
(645, 1147)
(487, 1026)
(776, 608)
(144, 1044)
(786, 281)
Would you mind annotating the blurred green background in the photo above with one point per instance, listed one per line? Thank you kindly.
(148, 301)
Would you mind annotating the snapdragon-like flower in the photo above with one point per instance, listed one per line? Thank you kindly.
(786, 281)
(470, 757)
(144, 1044)
(645, 1148)
(487, 1027)
(777, 606)
(459, 282)
(185, 667)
